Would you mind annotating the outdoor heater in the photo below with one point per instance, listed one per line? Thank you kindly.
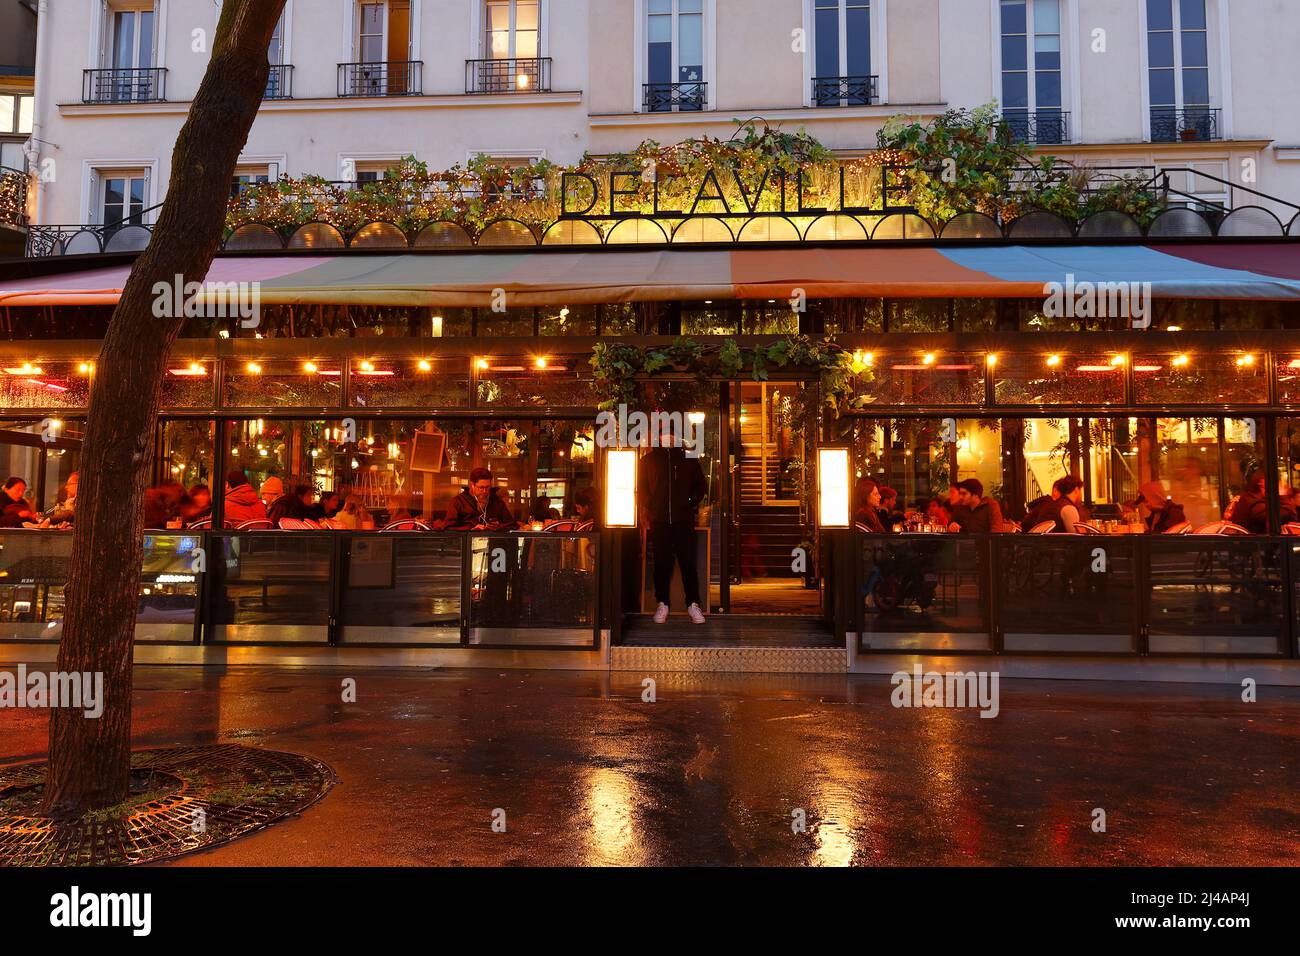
(620, 488)
(834, 486)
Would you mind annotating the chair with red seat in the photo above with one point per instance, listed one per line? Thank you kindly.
(406, 524)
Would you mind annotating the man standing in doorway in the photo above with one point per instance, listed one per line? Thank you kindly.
(670, 487)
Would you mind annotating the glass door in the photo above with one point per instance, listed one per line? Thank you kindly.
(771, 554)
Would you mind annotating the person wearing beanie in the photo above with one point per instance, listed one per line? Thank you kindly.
(272, 491)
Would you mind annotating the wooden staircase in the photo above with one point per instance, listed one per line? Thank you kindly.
(768, 533)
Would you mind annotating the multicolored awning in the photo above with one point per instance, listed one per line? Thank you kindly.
(1200, 271)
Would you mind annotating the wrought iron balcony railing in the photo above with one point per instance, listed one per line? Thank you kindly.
(675, 97)
(386, 78)
(1193, 124)
(1041, 127)
(142, 85)
(508, 75)
(279, 85)
(845, 90)
(13, 197)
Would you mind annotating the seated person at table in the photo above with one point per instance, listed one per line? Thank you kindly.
(1062, 507)
(1250, 508)
(398, 510)
(353, 516)
(64, 512)
(299, 505)
(1042, 509)
(327, 507)
(163, 505)
(14, 508)
(541, 510)
(584, 504)
(938, 511)
(199, 507)
(866, 511)
(1163, 512)
(479, 506)
(272, 491)
(242, 503)
(1290, 503)
(976, 514)
(954, 503)
(890, 513)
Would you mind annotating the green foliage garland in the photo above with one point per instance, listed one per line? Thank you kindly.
(619, 368)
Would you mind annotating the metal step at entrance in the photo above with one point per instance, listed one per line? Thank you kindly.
(728, 630)
(730, 643)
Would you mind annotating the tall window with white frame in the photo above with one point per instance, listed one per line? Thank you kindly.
(1031, 71)
(842, 53)
(674, 56)
(383, 51)
(511, 56)
(122, 197)
(278, 83)
(128, 52)
(1178, 72)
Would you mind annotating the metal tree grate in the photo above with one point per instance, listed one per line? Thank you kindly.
(202, 797)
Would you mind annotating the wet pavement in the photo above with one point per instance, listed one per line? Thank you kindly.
(716, 770)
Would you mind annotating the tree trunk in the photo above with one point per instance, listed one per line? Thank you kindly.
(90, 759)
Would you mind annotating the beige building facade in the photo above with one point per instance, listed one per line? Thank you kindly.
(1178, 84)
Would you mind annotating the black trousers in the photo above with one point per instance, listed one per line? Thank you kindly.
(675, 542)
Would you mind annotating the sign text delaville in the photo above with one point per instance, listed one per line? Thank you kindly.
(789, 191)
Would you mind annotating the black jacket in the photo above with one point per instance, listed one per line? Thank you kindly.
(464, 512)
(1170, 516)
(984, 518)
(670, 486)
(14, 513)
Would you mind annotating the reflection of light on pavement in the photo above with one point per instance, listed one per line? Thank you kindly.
(611, 802)
(838, 809)
(942, 737)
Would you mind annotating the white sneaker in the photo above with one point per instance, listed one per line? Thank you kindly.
(661, 613)
(695, 614)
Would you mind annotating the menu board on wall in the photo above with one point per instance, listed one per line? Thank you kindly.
(371, 563)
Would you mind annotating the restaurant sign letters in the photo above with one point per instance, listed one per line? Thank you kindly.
(623, 194)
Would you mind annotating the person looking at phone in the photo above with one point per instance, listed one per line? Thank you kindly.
(480, 506)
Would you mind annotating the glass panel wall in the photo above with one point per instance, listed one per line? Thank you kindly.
(411, 383)
(45, 385)
(386, 470)
(535, 380)
(1210, 469)
(533, 590)
(188, 383)
(1094, 378)
(34, 573)
(924, 593)
(1056, 596)
(402, 589)
(926, 378)
(187, 452)
(283, 384)
(269, 587)
(44, 453)
(1206, 378)
(1216, 596)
